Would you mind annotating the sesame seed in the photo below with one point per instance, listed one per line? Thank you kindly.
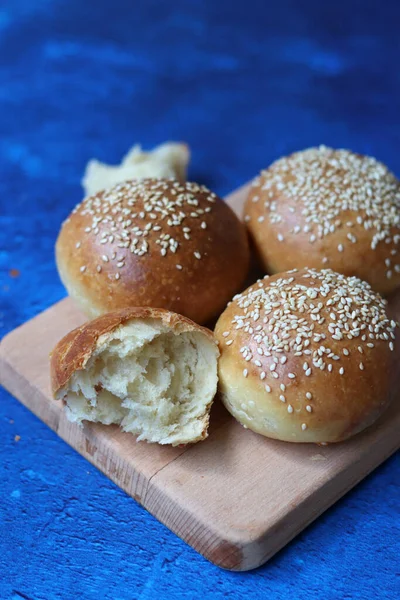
(245, 372)
(268, 389)
(280, 237)
(117, 276)
(98, 268)
(83, 269)
(197, 255)
(284, 317)
(290, 408)
(125, 215)
(263, 375)
(308, 408)
(229, 342)
(282, 398)
(179, 267)
(361, 366)
(308, 395)
(77, 245)
(304, 426)
(325, 184)
(226, 333)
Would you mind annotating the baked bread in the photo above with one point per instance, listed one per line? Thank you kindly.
(169, 160)
(326, 208)
(154, 243)
(307, 356)
(150, 371)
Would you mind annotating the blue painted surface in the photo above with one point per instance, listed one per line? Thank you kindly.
(242, 82)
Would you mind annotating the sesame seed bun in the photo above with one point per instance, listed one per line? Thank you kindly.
(326, 208)
(307, 356)
(153, 242)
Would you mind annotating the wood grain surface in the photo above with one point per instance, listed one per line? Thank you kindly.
(237, 498)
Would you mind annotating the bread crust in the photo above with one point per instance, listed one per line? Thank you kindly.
(292, 204)
(75, 349)
(157, 243)
(339, 404)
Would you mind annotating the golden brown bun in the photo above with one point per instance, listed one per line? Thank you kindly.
(301, 365)
(326, 208)
(153, 243)
(150, 371)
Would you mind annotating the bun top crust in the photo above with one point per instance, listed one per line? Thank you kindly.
(153, 242)
(311, 351)
(328, 208)
(75, 349)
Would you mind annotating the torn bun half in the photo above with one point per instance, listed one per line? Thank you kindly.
(150, 371)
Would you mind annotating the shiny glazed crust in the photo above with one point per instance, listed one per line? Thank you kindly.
(326, 208)
(280, 378)
(157, 243)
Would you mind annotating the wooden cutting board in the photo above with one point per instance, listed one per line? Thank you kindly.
(237, 498)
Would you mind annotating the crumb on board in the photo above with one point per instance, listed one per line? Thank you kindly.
(14, 273)
(17, 438)
(318, 457)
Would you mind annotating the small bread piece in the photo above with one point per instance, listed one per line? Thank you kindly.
(150, 371)
(326, 208)
(169, 160)
(154, 242)
(307, 356)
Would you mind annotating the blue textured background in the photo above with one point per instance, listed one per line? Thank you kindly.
(242, 82)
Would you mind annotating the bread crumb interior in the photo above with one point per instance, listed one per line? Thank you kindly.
(152, 382)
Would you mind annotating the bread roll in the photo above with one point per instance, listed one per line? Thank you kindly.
(150, 371)
(307, 356)
(154, 243)
(167, 160)
(326, 208)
